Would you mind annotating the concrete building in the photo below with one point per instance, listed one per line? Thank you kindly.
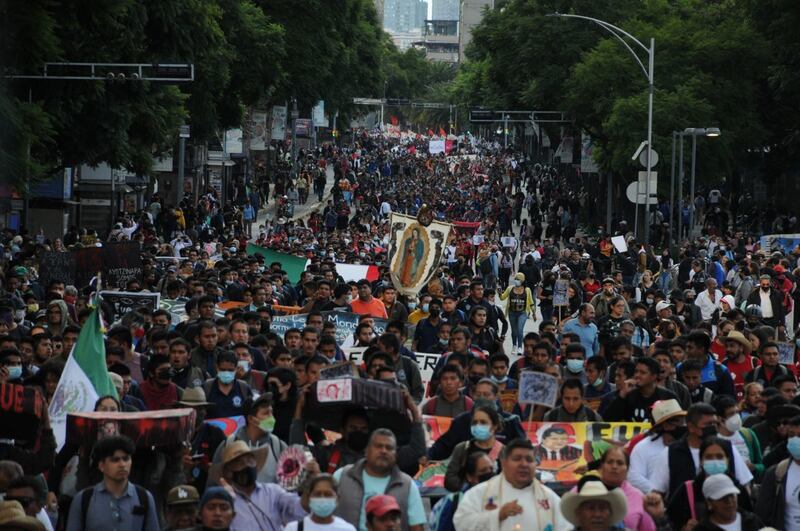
(406, 40)
(404, 16)
(470, 15)
(440, 40)
(444, 10)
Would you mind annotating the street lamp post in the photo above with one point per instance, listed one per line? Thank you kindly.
(694, 132)
(619, 33)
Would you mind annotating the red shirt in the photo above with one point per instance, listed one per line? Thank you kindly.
(374, 308)
(739, 371)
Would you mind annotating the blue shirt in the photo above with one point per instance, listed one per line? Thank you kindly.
(113, 514)
(230, 405)
(587, 333)
(268, 508)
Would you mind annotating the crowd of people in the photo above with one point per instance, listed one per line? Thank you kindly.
(697, 343)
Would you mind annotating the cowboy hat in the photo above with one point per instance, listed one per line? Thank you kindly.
(590, 491)
(735, 335)
(233, 451)
(663, 410)
(12, 516)
(194, 397)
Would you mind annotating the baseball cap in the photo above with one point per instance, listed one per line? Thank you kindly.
(182, 495)
(717, 486)
(381, 504)
(663, 305)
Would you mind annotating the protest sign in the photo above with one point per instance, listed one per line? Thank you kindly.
(293, 265)
(21, 408)
(786, 353)
(282, 323)
(177, 308)
(167, 427)
(561, 292)
(119, 262)
(126, 301)
(416, 247)
(330, 399)
(335, 390)
(619, 243)
(538, 388)
(426, 361)
(563, 448)
(56, 266)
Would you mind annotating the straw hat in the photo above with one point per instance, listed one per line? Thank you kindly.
(234, 451)
(12, 516)
(591, 491)
(735, 335)
(663, 410)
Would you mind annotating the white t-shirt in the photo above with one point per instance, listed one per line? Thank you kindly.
(660, 477)
(309, 525)
(736, 525)
(791, 519)
(643, 457)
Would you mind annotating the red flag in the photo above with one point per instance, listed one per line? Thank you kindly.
(442, 132)
(394, 120)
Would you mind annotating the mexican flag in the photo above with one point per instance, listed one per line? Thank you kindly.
(85, 377)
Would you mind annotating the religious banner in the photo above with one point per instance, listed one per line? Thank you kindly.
(563, 450)
(416, 248)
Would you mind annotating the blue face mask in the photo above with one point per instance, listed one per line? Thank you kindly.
(481, 432)
(226, 377)
(497, 380)
(793, 445)
(715, 466)
(575, 365)
(14, 373)
(322, 507)
(425, 307)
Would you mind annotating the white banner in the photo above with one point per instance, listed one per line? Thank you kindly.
(258, 131)
(436, 146)
(426, 361)
(278, 122)
(318, 114)
(233, 142)
(588, 164)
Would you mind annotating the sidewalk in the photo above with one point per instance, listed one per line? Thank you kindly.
(300, 211)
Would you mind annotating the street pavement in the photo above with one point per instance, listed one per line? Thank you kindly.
(300, 211)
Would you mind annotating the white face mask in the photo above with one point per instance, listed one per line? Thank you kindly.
(733, 423)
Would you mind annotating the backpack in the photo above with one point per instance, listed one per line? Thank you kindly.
(141, 493)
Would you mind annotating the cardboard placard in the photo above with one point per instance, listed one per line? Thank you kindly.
(335, 390)
(538, 388)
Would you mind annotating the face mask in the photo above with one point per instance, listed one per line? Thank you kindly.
(709, 431)
(425, 308)
(481, 432)
(733, 423)
(412, 305)
(485, 477)
(14, 373)
(33, 308)
(357, 440)
(497, 380)
(598, 383)
(349, 299)
(434, 312)
(444, 342)
(793, 445)
(322, 507)
(245, 477)
(650, 301)
(244, 364)
(267, 424)
(575, 365)
(226, 377)
(715, 466)
(678, 432)
(517, 283)
(473, 380)
(764, 289)
(164, 374)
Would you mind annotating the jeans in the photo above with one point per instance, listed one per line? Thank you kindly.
(516, 320)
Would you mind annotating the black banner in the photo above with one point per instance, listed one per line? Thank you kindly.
(119, 262)
(126, 301)
(21, 407)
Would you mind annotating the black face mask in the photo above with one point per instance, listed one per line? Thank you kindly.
(485, 477)
(164, 374)
(435, 312)
(709, 431)
(473, 380)
(245, 477)
(357, 440)
(678, 432)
